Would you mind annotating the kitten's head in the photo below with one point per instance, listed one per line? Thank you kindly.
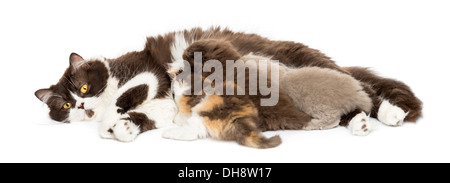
(78, 94)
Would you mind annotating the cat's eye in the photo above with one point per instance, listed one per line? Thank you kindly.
(84, 88)
(67, 105)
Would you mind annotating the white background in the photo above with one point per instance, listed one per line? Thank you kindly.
(406, 40)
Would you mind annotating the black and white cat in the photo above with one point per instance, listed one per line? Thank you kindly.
(131, 94)
(128, 95)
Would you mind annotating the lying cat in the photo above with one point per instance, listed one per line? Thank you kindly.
(114, 89)
(128, 95)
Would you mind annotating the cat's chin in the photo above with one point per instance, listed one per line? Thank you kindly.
(89, 113)
(82, 115)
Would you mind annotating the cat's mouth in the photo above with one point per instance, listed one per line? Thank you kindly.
(89, 113)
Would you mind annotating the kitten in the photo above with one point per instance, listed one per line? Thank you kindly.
(128, 95)
(236, 117)
(223, 117)
(324, 94)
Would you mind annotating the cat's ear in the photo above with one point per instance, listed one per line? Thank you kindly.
(76, 62)
(43, 94)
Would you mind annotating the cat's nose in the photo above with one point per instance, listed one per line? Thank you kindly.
(81, 106)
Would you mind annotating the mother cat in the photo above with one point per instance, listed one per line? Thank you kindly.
(131, 94)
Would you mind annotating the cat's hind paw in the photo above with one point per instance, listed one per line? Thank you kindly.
(390, 114)
(360, 125)
(125, 130)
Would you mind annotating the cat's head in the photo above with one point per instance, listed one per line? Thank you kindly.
(78, 95)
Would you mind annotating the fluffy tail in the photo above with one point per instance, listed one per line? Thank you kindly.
(396, 92)
(257, 140)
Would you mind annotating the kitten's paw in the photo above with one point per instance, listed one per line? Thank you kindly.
(390, 114)
(360, 125)
(180, 133)
(180, 119)
(125, 130)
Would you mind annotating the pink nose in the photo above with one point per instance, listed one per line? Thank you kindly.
(81, 106)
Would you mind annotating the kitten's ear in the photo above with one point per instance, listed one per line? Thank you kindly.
(76, 62)
(150, 46)
(43, 94)
(173, 72)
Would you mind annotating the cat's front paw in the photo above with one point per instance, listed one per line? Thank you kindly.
(125, 130)
(180, 133)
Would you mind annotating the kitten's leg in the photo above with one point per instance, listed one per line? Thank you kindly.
(283, 116)
(245, 132)
(398, 102)
(327, 119)
(358, 122)
(192, 130)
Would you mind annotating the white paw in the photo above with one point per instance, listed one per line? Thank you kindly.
(106, 131)
(360, 125)
(106, 134)
(125, 130)
(180, 133)
(391, 115)
(180, 119)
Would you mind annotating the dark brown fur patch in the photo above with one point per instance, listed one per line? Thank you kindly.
(141, 120)
(89, 113)
(95, 75)
(129, 65)
(287, 52)
(348, 117)
(132, 98)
